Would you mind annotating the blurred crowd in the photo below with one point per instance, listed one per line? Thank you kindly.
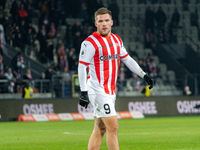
(38, 37)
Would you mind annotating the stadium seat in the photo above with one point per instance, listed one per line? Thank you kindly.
(171, 76)
(162, 69)
(156, 59)
(147, 51)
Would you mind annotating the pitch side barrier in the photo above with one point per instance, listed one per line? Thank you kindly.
(10, 109)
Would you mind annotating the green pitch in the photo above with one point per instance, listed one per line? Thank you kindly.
(165, 133)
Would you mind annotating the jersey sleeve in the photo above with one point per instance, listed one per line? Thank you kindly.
(123, 52)
(87, 52)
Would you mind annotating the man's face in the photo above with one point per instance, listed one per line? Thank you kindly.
(103, 24)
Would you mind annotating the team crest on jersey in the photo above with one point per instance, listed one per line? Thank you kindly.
(117, 44)
(82, 53)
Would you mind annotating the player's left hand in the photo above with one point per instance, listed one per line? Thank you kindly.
(149, 81)
(84, 100)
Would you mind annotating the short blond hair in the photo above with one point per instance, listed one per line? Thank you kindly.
(102, 11)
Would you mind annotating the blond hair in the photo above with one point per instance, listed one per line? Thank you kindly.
(102, 11)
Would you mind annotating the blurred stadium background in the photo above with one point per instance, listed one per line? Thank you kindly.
(162, 35)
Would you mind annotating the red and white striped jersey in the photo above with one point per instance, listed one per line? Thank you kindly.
(102, 56)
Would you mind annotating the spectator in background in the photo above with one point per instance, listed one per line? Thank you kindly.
(73, 62)
(25, 3)
(30, 39)
(136, 82)
(44, 9)
(2, 40)
(1, 66)
(22, 13)
(149, 39)
(18, 64)
(49, 73)
(43, 87)
(76, 28)
(67, 81)
(44, 20)
(31, 26)
(146, 91)
(17, 37)
(63, 63)
(4, 85)
(148, 59)
(143, 65)
(8, 32)
(11, 87)
(1, 70)
(49, 50)
(122, 77)
(149, 19)
(27, 91)
(62, 58)
(52, 33)
(18, 81)
(41, 36)
(28, 76)
(152, 69)
(23, 30)
(86, 31)
(114, 8)
(9, 74)
(173, 32)
(78, 39)
(160, 18)
(161, 35)
(175, 17)
(60, 51)
(14, 11)
(187, 91)
(30, 13)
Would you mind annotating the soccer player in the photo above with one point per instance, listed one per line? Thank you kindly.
(100, 55)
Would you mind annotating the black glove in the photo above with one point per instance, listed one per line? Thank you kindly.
(149, 81)
(84, 100)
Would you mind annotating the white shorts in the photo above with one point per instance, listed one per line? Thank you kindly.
(104, 105)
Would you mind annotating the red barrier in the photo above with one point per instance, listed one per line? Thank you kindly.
(74, 116)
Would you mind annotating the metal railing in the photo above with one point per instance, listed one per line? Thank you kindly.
(39, 85)
(60, 88)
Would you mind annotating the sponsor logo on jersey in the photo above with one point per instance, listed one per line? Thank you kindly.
(109, 57)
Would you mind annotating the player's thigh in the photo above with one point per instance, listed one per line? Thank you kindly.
(99, 124)
(111, 123)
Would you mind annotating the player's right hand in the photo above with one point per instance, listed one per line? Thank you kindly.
(84, 100)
